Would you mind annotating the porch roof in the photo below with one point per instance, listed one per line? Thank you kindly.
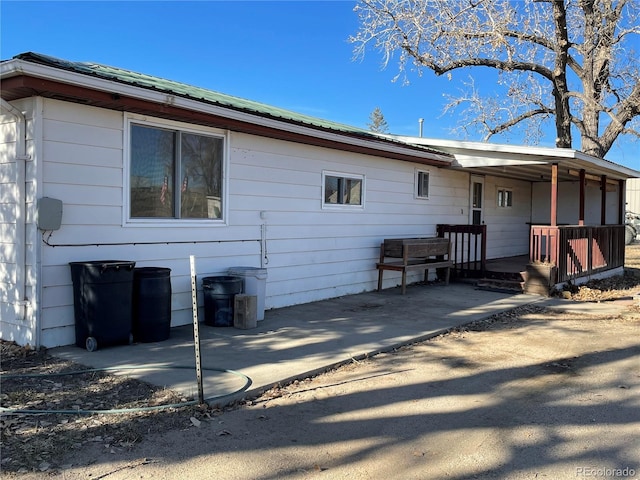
(525, 162)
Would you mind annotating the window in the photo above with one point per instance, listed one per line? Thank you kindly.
(422, 184)
(477, 195)
(343, 190)
(505, 197)
(175, 174)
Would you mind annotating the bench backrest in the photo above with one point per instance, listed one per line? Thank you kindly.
(416, 247)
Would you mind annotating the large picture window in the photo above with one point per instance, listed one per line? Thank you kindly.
(175, 174)
(342, 190)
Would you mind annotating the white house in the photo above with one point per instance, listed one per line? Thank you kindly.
(153, 171)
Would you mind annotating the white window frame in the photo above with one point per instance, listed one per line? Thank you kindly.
(343, 206)
(416, 183)
(504, 190)
(131, 119)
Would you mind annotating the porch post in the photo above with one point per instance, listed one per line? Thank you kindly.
(621, 205)
(582, 189)
(554, 195)
(603, 200)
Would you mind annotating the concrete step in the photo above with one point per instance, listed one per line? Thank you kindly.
(500, 285)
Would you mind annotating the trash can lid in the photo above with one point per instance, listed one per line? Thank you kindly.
(102, 265)
(103, 262)
(151, 271)
(248, 271)
(221, 279)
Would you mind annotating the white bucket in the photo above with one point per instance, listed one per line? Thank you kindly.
(255, 283)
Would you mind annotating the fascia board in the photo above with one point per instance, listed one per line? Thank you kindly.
(468, 151)
(480, 161)
(454, 146)
(608, 165)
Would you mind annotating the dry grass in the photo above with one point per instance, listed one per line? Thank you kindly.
(632, 257)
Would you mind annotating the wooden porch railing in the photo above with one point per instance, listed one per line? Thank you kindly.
(468, 249)
(577, 251)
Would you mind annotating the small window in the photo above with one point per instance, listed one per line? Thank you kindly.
(477, 195)
(343, 190)
(175, 174)
(505, 197)
(422, 184)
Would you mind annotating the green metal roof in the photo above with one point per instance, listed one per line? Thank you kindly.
(195, 93)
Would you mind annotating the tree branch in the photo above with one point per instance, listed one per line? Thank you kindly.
(629, 109)
(577, 56)
(506, 66)
(514, 121)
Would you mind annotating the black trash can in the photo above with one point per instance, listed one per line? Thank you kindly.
(102, 301)
(151, 304)
(219, 295)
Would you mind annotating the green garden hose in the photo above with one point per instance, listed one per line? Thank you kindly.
(4, 410)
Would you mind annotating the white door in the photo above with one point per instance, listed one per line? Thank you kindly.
(476, 196)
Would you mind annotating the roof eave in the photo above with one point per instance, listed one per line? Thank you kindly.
(491, 155)
(378, 145)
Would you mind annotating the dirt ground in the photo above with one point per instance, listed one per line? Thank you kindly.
(531, 393)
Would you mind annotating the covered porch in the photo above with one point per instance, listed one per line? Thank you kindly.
(557, 255)
(576, 228)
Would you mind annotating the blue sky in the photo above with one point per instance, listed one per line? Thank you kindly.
(290, 54)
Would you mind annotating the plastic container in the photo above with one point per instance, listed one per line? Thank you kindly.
(151, 304)
(102, 301)
(255, 283)
(219, 297)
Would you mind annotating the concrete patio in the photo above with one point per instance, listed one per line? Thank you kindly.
(298, 341)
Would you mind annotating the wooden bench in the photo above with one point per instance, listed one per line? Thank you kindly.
(415, 254)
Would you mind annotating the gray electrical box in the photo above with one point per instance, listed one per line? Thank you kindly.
(49, 213)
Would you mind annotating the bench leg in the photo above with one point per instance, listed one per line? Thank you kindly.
(404, 282)
(380, 279)
(446, 276)
(426, 275)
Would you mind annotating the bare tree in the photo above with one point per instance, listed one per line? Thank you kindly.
(575, 61)
(377, 123)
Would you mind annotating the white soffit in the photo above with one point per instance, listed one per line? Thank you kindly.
(523, 162)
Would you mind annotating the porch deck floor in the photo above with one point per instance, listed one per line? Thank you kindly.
(514, 264)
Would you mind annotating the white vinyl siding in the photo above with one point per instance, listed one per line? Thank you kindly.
(507, 228)
(12, 327)
(316, 253)
(82, 165)
(568, 207)
(633, 195)
(8, 224)
(312, 253)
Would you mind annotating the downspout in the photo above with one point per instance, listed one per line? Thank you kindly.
(20, 302)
